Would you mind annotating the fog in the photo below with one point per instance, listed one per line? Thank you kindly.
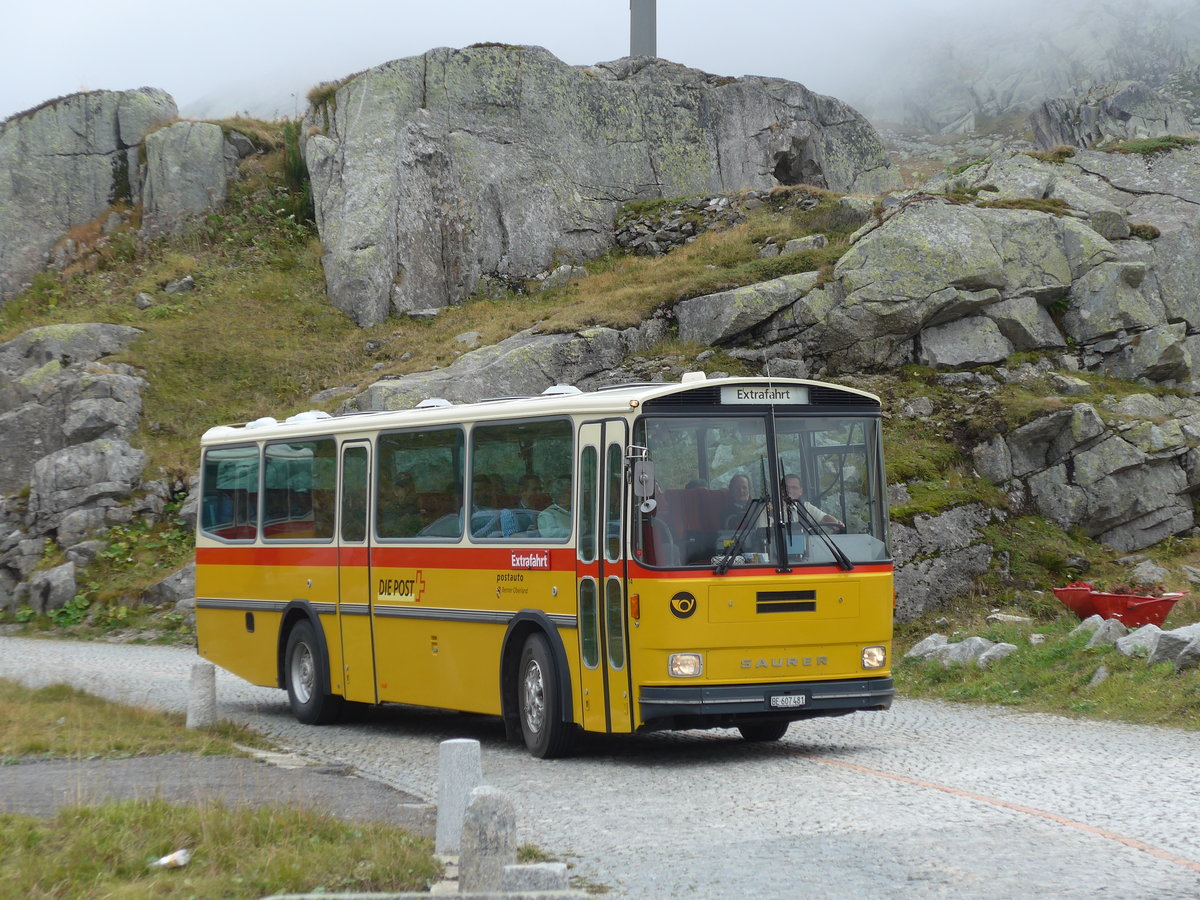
(223, 57)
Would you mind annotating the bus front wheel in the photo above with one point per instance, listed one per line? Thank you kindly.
(303, 662)
(546, 735)
(763, 731)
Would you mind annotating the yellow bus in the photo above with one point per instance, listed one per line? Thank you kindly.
(705, 554)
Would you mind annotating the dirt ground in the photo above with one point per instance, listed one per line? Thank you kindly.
(40, 787)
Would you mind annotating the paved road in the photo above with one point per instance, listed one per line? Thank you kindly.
(928, 800)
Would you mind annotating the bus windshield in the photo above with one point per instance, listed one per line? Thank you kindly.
(756, 490)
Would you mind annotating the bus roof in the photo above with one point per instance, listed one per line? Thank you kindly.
(557, 400)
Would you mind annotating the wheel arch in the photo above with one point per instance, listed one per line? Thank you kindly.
(297, 611)
(520, 627)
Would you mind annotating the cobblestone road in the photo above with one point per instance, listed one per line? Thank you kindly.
(927, 800)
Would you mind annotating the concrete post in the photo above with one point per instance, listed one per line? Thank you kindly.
(534, 877)
(643, 28)
(489, 840)
(202, 696)
(459, 772)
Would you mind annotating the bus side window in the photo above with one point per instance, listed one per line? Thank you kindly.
(515, 468)
(418, 485)
(354, 494)
(300, 480)
(229, 502)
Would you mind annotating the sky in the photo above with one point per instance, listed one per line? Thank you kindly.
(221, 57)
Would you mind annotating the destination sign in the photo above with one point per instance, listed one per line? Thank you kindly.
(745, 395)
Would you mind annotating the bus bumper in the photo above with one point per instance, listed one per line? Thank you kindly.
(726, 706)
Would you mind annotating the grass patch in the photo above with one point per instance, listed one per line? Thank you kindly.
(1056, 154)
(1151, 146)
(64, 722)
(1051, 205)
(105, 851)
(1053, 676)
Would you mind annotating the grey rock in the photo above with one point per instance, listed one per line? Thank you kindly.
(186, 176)
(917, 408)
(1025, 324)
(925, 647)
(490, 160)
(84, 553)
(1098, 678)
(971, 341)
(1119, 111)
(1168, 647)
(562, 276)
(1189, 656)
(52, 589)
(180, 285)
(811, 242)
(1068, 385)
(994, 654)
(64, 345)
(1090, 625)
(177, 586)
(524, 364)
(1108, 633)
(143, 300)
(1141, 642)
(65, 163)
(489, 840)
(1149, 572)
(721, 317)
(966, 651)
(98, 473)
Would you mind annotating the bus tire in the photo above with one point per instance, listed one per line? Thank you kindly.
(539, 706)
(303, 662)
(760, 732)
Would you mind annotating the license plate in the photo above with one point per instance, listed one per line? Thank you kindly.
(787, 701)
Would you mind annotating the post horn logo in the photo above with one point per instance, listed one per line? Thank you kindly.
(683, 605)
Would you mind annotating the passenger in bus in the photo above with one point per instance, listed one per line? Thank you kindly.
(794, 496)
(485, 518)
(522, 518)
(738, 503)
(399, 513)
(555, 520)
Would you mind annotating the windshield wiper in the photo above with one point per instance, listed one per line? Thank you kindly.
(749, 518)
(814, 527)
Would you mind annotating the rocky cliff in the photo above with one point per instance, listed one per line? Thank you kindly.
(431, 172)
(66, 163)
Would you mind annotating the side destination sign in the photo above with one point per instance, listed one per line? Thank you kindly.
(764, 393)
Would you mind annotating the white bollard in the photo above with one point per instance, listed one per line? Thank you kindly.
(202, 696)
(460, 771)
(489, 840)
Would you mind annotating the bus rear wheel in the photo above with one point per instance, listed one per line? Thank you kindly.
(539, 705)
(303, 662)
(760, 732)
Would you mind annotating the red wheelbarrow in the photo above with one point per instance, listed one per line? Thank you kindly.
(1132, 610)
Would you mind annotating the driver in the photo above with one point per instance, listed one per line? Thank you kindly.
(794, 496)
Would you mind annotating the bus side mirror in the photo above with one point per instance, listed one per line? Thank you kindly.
(643, 478)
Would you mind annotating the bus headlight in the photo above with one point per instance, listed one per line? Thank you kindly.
(685, 665)
(874, 657)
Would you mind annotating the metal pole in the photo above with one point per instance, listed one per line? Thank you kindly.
(643, 38)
